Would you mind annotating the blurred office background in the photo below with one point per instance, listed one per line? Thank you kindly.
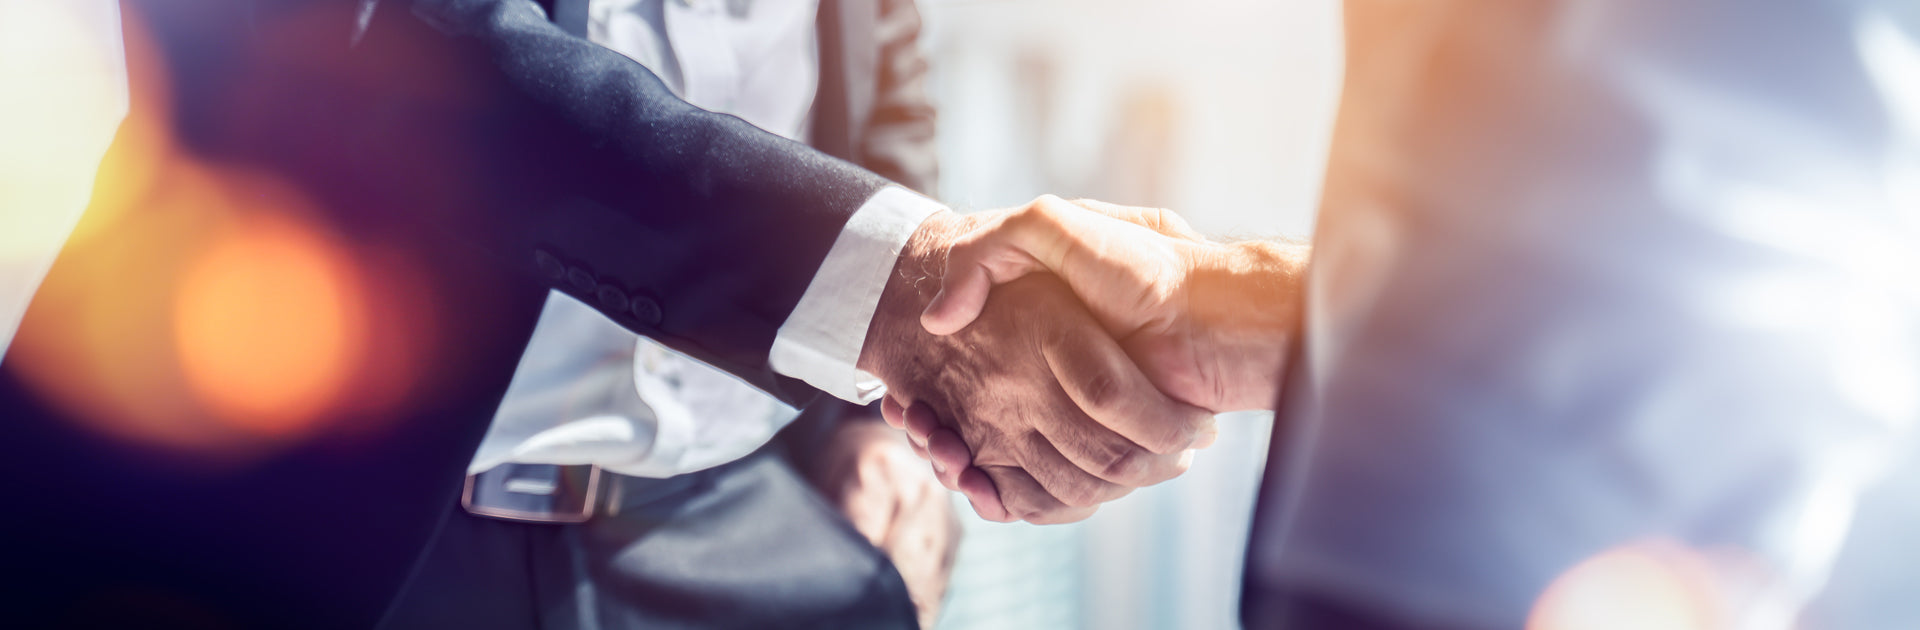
(1220, 109)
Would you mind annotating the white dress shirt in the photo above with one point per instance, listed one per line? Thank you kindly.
(589, 392)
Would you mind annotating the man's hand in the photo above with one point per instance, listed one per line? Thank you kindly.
(1055, 416)
(870, 472)
(1208, 322)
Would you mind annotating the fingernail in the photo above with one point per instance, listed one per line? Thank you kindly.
(1207, 436)
(938, 468)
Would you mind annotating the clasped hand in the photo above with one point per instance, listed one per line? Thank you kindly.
(1069, 389)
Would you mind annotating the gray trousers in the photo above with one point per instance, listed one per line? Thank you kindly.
(745, 545)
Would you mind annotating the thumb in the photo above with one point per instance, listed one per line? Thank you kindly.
(963, 294)
(1011, 245)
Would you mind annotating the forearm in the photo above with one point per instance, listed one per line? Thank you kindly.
(1246, 299)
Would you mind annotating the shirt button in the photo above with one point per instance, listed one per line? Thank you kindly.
(646, 310)
(549, 265)
(581, 280)
(612, 298)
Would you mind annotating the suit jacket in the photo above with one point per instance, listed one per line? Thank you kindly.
(501, 157)
(1519, 350)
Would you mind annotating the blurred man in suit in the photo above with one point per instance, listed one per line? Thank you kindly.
(1610, 318)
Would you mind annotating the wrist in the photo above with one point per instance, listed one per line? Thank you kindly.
(913, 282)
(1245, 300)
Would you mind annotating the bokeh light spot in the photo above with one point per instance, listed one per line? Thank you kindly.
(269, 322)
(1644, 585)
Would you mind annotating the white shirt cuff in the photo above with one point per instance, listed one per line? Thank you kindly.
(820, 341)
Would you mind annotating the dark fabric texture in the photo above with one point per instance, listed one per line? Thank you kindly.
(1291, 610)
(744, 545)
(483, 142)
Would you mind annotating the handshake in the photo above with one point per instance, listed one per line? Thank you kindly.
(1052, 357)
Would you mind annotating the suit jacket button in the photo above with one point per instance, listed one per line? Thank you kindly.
(549, 265)
(612, 298)
(646, 310)
(581, 280)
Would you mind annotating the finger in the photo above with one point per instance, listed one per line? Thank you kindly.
(1208, 435)
(1103, 453)
(983, 495)
(1159, 220)
(1065, 481)
(963, 294)
(949, 455)
(949, 479)
(1106, 384)
(919, 450)
(1025, 499)
(892, 412)
(921, 422)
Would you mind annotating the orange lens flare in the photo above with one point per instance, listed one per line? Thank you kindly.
(1647, 585)
(268, 322)
(211, 311)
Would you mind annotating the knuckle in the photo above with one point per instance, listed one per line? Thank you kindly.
(1042, 516)
(1024, 511)
(1127, 465)
(1081, 495)
(1099, 391)
(1025, 217)
(1040, 212)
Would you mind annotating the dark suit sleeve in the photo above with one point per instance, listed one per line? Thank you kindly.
(898, 141)
(583, 170)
